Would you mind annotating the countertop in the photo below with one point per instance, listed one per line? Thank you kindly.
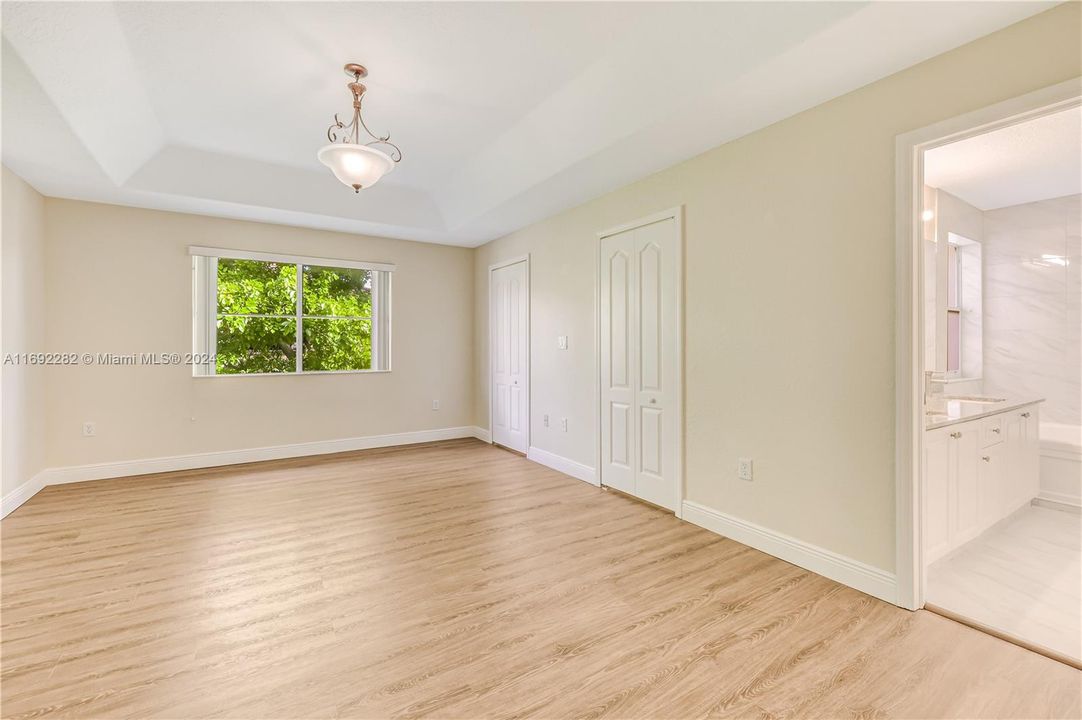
(958, 411)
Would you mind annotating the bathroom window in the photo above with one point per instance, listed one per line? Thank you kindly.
(954, 310)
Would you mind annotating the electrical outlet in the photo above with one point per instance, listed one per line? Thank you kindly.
(563, 424)
(561, 342)
(89, 429)
(546, 420)
(744, 469)
(435, 404)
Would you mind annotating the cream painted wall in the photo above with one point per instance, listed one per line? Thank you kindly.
(789, 295)
(122, 284)
(23, 393)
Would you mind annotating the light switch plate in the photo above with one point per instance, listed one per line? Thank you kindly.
(561, 342)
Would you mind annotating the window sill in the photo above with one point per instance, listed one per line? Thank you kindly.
(950, 380)
(292, 374)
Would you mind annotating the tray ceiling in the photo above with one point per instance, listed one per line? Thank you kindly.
(506, 112)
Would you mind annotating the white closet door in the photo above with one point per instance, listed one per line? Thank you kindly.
(639, 395)
(510, 406)
(618, 361)
(656, 382)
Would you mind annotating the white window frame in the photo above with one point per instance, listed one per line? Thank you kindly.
(205, 308)
(955, 269)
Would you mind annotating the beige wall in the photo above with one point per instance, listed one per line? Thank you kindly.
(23, 390)
(789, 295)
(123, 284)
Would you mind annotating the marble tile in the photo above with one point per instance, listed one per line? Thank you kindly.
(1051, 381)
(1054, 212)
(1003, 245)
(1023, 577)
(1032, 330)
(1023, 277)
(1042, 312)
(1025, 345)
(1074, 272)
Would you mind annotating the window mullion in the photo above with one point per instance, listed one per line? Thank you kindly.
(211, 326)
(374, 354)
(300, 318)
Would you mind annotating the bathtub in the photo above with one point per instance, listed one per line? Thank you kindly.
(1061, 463)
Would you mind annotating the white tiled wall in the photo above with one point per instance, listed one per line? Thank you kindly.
(1032, 317)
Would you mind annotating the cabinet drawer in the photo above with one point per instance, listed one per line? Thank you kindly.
(991, 430)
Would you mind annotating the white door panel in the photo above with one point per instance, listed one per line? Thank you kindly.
(620, 435)
(510, 345)
(617, 365)
(638, 343)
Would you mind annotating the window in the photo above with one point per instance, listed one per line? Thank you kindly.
(258, 314)
(954, 310)
(959, 328)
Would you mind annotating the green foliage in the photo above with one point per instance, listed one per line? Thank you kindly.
(252, 287)
(339, 338)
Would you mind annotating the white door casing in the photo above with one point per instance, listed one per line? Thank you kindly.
(509, 358)
(909, 323)
(640, 394)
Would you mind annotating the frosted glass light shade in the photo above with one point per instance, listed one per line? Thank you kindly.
(357, 166)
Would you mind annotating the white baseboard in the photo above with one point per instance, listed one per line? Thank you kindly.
(567, 467)
(1059, 498)
(127, 468)
(21, 494)
(871, 580)
(481, 434)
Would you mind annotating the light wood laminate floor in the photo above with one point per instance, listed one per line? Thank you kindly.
(1022, 577)
(453, 580)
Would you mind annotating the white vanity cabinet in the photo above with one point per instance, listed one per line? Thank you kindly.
(977, 472)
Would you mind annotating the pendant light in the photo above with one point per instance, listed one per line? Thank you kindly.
(356, 164)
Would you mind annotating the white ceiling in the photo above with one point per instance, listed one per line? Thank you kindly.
(1034, 160)
(506, 112)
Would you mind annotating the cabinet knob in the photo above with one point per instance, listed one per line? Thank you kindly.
(986, 458)
(956, 435)
(995, 430)
(1025, 414)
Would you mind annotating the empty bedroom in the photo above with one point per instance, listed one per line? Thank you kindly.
(540, 359)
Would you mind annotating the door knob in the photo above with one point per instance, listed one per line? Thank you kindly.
(516, 382)
(653, 401)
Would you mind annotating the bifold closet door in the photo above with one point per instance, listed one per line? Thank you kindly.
(638, 337)
(509, 356)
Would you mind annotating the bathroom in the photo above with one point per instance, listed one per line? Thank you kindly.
(1001, 489)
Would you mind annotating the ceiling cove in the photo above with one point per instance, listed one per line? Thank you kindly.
(510, 111)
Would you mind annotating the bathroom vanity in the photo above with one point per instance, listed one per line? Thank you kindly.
(981, 461)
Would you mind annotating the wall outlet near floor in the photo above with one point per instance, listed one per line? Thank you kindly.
(435, 404)
(744, 469)
(89, 429)
(563, 424)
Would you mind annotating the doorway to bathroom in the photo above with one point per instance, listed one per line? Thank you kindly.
(989, 458)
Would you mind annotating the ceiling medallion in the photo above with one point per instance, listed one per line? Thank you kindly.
(358, 165)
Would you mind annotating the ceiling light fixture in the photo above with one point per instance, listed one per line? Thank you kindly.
(358, 165)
